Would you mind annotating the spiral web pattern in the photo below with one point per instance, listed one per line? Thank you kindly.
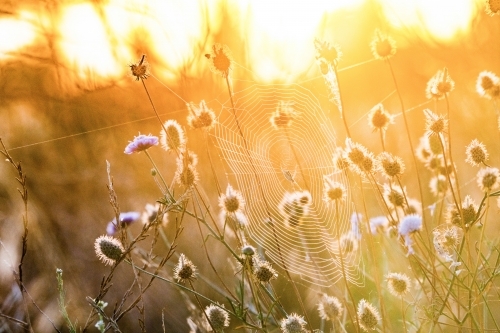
(267, 162)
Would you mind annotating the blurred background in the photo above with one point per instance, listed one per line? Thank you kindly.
(68, 105)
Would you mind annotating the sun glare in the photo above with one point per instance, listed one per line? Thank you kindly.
(16, 33)
(441, 20)
(280, 35)
(99, 41)
(85, 44)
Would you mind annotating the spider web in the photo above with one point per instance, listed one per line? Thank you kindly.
(266, 163)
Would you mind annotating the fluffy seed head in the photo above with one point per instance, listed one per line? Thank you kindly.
(398, 283)
(379, 118)
(468, 212)
(368, 315)
(488, 179)
(390, 165)
(488, 84)
(140, 70)
(108, 249)
(439, 85)
(184, 270)
(446, 240)
(333, 191)
(330, 54)
(220, 60)
(200, 116)
(172, 136)
(340, 159)
(218, 316)
(476, 153)
(330, 308)
(383, 47)
(394, 196)
(263, 271)
(293, 324)
(232, 201)
(434, 124)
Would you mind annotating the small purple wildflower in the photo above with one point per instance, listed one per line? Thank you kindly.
(125, 219)
(141, 143)
(410, 224)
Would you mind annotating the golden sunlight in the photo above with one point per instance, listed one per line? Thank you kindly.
(16, 33)
(280, 35)
(85, 44)
(99, 41)
(442, 20)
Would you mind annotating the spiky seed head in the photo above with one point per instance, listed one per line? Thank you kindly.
(476, 153)
(218, 317)
(439, 85)
(488, 179)
(340, 159)
(329, 54)
(488, 84)
(398, 283)
(108, 249)
(140, 70)
(200, 116)
(368, 315)
(293, 323)
(379, 118)
(469, 210)
(333, 191)
(394, 196)
(446, 240)
(263, 270)
(383, 46)
(232, 201)
(435, 124)
(185, 270)
(493, 7)
(186, 173)
(390, 165)
(172, 136)
(151, 214)
(220, 60)
(330, 308)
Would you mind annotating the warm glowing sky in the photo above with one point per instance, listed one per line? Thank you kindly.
(98, 40)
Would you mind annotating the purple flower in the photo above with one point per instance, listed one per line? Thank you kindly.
(140, 143)
(125, 219)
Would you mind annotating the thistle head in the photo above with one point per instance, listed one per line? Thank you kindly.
(383, 47)
(220, 60)
(218, 317)
(172, 136)
(398, 283)
(185, 270)
(108, 249)
(368, 315)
